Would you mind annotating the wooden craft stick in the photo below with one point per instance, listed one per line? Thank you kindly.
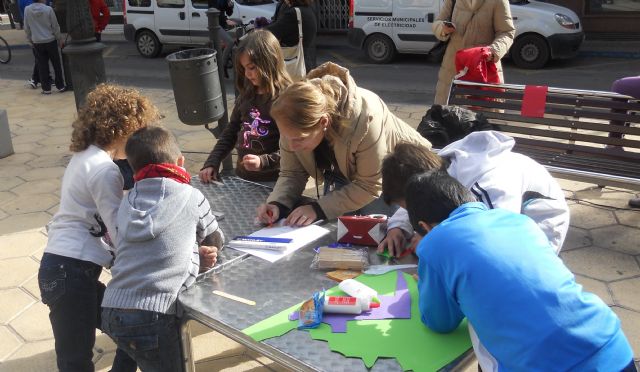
(235, 298)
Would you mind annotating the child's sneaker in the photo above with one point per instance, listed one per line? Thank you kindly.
(46, 92)
(32, 84)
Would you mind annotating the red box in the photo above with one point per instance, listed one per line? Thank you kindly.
(362, 230)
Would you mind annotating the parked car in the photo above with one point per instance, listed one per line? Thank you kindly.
(383, 28)
(154, 23)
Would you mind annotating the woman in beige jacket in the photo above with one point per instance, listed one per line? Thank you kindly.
(477, 23)
(333, 130)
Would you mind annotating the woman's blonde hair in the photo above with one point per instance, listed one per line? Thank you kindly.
(110, 113)
(303, 104)
(264, 52)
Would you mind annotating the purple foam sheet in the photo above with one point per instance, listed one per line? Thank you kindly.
(397, 306)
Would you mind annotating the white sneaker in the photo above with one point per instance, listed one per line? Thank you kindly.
(32, 84)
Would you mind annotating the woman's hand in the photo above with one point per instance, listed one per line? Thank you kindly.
(448, 30)
(301, 216)
(267, 214)
(251, 162)
(208, 174)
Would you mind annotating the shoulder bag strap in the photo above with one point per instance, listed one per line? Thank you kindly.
(299, 17)
(452, 8)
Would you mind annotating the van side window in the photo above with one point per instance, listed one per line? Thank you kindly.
(200, 4)
(140, 3)
(170, 3)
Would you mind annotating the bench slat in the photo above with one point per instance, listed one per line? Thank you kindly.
(558, 98)
(563, 123)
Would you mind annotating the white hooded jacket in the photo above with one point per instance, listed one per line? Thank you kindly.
(484, 163)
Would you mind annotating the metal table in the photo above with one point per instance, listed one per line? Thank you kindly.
(273, 286)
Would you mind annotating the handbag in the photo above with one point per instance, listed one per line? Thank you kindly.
(294, 56)
(436, 53)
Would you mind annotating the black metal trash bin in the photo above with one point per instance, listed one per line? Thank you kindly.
(196, 86)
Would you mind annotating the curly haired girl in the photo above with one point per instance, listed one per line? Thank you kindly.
(89, 200)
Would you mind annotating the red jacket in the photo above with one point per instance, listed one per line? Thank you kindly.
(478, 69)
(100, 14)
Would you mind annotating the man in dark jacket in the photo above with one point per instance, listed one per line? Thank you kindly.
(285, 29)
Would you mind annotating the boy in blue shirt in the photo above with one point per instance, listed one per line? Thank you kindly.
(525, 305)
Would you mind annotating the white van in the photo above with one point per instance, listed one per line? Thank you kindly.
(383, 27)
(152, 23)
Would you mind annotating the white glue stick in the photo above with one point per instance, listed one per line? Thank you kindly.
(356, 289)
(346, 305)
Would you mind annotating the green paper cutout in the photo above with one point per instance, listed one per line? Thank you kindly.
(414, 346)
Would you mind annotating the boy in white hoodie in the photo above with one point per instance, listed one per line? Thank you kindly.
(484, 163)
(160, 224)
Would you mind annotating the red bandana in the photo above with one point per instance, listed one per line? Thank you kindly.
(167, 170)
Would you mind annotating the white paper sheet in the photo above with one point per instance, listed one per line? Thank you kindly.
(301, 236)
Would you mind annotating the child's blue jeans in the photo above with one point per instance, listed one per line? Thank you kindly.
(73, 293)
(152, 339)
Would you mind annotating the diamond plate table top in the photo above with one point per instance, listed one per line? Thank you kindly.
(273, 286)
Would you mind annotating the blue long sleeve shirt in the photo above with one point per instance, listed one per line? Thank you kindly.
(498, 269)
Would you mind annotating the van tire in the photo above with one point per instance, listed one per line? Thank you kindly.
(148, 44)
(379, 48)
(530, 52)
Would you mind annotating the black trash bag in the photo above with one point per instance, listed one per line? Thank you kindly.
(445, 124)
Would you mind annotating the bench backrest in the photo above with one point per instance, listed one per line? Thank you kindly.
(574, 121)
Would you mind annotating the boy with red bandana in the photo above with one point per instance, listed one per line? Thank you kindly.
(160, 224)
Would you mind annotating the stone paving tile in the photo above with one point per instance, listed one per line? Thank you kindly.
(37, 187)
(613, 198)
(575, 185)
(6, 196)
(629, 218)
(587, 217)
(21, 244)
(596, 287)
(631, 328)
(620, 238)
(625, 293)
(576, 238)
(55, 140)
(9, 343)
(7, 183)
(23, 222)
(3, 214)
(28, 138)
(50, 161)
(14, 300)
(31, 286)
(17, 159)
(43, 173)
(14, 170)
(599, 263)
(15, 271)
(231, 364)
(33, 324)
(212, 345)
(36, 356)
(29, 203)
(53, 210)
(104, 344)
(50, 150)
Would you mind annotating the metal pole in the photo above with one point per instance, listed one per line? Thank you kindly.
(84, 53)
(213, 17)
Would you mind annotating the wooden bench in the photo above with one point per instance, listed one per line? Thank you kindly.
(587, 136)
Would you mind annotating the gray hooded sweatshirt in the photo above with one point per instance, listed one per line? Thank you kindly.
(41, 24)
(159, 226)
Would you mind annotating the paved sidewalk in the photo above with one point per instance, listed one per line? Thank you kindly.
(603, 246)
